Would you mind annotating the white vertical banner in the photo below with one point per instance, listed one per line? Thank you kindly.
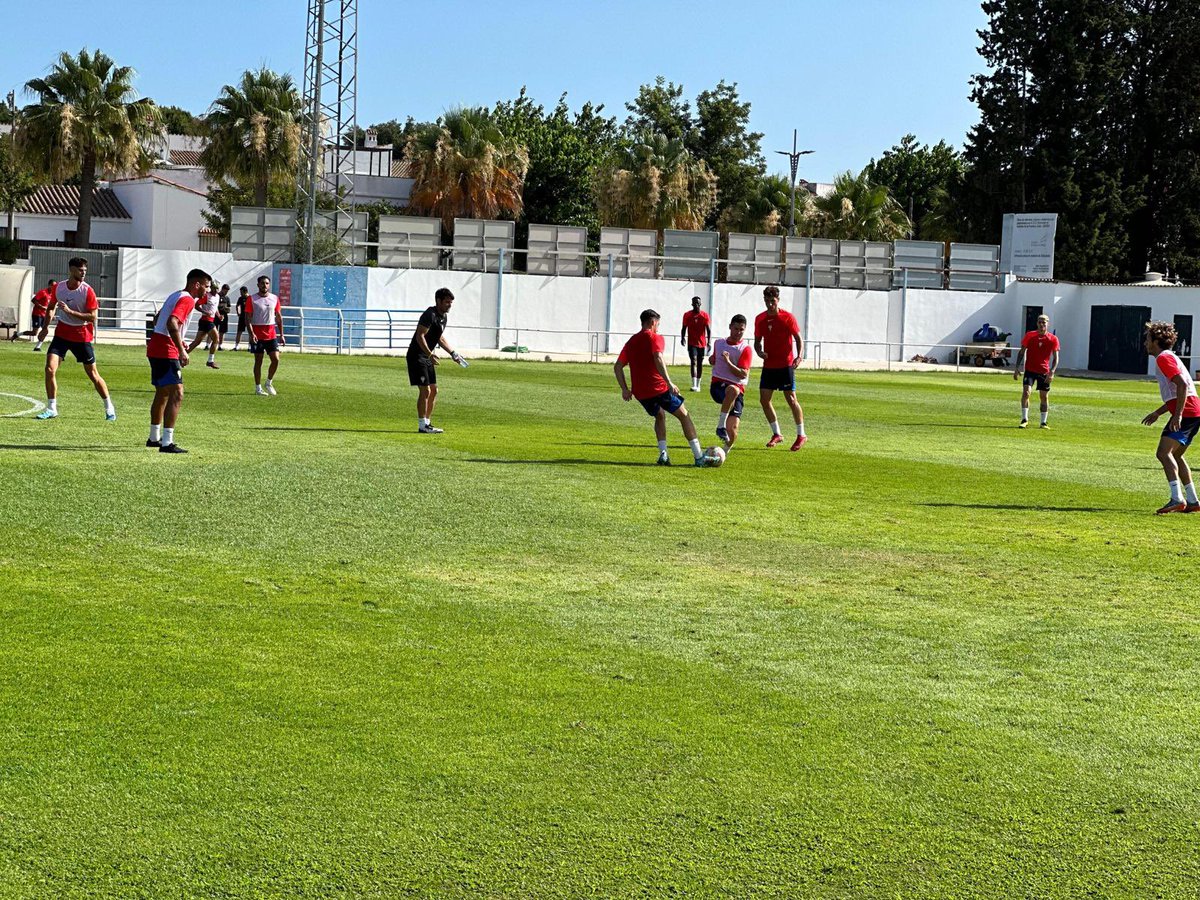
(1027, 244)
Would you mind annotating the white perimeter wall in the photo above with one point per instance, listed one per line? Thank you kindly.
(153, 274)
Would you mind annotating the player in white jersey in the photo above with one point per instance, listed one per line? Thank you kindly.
(731, 359)
(1179, 398)
(73, 312)
(206, 328)
(266, 329)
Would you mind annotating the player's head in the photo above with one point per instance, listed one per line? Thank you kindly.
(696, 304)
(650, 320)
(771, 297)
(443, 299)
(1043, 324)
(198, 282)
(737, 328)
(224, 289)
(245, 291)
(1160, 336)
(78, 266)
(51, 283)
(264, 284)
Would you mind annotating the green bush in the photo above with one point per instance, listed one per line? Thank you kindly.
(8, 251)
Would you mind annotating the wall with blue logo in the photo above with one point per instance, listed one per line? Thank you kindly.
(323, 292)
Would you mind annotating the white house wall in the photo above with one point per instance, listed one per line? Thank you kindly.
(52, 228)
(164, 217)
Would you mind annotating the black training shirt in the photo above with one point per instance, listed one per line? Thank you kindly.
(436, 323)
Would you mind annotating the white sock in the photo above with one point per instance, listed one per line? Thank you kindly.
(424, 423)
(1024, 414)
(52, 405)
(168, 437)
(722, 418)
(1189, 491)
(694, 443)
(155, 432)
(662, 446)
(269, 380)
(109, 409)
(775, 427)
(212, 357)
(39, 346)
(800, 429)
(1045, 415)
(1176, 491)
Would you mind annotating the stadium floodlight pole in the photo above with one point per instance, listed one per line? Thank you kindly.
(12, 124)
(794, 159)
(310, 219)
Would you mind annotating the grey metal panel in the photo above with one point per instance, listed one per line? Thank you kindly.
(754, 258)
(261, 233)
(824, 262)
(974, 267)
(923, 260)
(852, 264)
(878, 264)
(409, 242)
(682, 249)
(352, 232)
(632, 250)
(51, 262)
(556, 250)
(478, 242)
(798, 257)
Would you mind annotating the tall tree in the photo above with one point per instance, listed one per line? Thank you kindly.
(655, 183)
(466, 166)
(920, 178)
(723, 139)
(254, 131)
(762, 210)
(16, 181)
(856, 210)
(178, 120)
(660, 108)
(86, 121)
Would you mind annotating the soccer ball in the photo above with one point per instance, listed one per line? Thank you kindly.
(715, 456)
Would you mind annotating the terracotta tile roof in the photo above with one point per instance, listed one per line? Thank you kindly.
(185, 158)
(402, 168)
(63, 200)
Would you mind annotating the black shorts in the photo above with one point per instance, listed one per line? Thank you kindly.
(783, 379)
(696, 354)
(165, 372)
(84, 351)
(421, 371)
(243, 324)
(717, 391)
(271, 346)
(39, 322)
(205, 325)
(1188, 427)
(1034, 378)
(666, 401)
(223, 326)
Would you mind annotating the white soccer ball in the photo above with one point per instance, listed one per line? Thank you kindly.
(716, 456)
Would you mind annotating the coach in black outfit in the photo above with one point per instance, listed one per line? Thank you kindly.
(422, 361)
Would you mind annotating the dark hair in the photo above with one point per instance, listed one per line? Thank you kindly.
(443, 294)
(244, 288)
(649, 315)
(1162, 333)
(198, 275)
(224, 287)
(771, 291)
(76, 261)
(697, 300)
(263, 278)
(51, 281)
(739, 319)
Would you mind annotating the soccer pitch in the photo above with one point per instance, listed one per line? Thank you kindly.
(322, 655)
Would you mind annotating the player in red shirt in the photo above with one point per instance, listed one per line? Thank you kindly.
(1039, 354)
(775, 333)
(653, 388)
(74, 313)
(168, 356)
(696, 335)
(1179, 398)
(41, 311)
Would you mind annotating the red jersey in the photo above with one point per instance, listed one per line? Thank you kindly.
(1038, 350)
(262, 312)
(776, 333)
(41, 301)
(638, 352)
(696, 323)
(1169, 366)
(179, 307)
(80, 299)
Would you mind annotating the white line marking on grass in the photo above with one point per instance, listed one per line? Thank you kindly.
(35, 406)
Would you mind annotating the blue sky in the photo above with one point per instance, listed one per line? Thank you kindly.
(853, 77)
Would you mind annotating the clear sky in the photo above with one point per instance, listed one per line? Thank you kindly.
(853, 76)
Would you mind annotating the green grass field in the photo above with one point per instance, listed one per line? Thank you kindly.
(324, 656)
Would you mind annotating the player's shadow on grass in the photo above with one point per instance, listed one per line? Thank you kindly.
(320, 428)
(1024, 507)
(954, 425)
(558, 462)
(66, 448)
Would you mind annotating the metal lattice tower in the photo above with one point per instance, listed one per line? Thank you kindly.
(331, 102)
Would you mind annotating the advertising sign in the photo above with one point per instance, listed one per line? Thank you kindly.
(1027, 244)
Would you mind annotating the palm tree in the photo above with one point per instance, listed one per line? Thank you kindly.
(464, 165)
(655, 183)
(86, 121)
(857, 210)
(254, 131)
(763, 211)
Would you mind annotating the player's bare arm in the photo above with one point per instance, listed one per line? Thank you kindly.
(279, 328)
(1020, 363)
(1154, 416)
(799, 351)
(177, 339)
(1053, 365)
(49, 319)
(1180, 402)
(619, 371)
(737, 370)
(758, 350)
(423, 330)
